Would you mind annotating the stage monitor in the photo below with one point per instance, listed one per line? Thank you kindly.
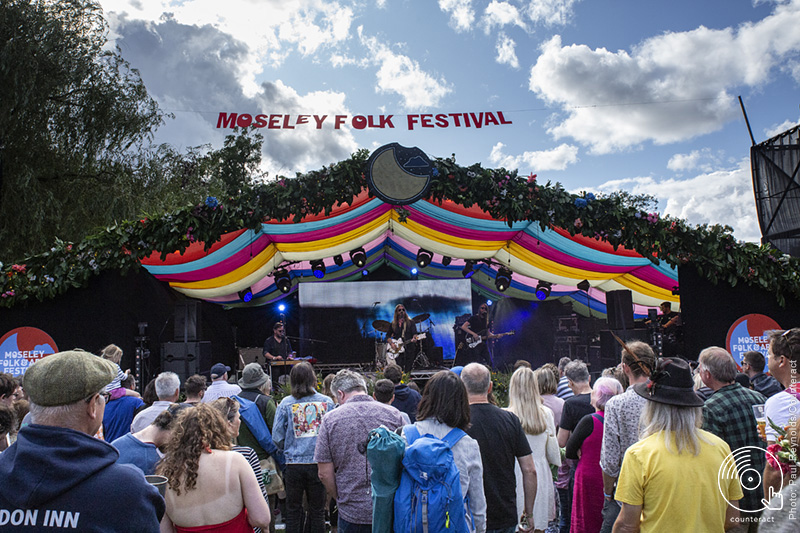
(338, 319)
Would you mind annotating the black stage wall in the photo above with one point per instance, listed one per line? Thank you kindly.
(109, 311)
(709, 310)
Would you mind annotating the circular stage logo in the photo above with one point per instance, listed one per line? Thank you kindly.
(21, 347)
(747, 334)
(399, 175)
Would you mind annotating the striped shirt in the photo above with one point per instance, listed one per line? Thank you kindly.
(563, 391)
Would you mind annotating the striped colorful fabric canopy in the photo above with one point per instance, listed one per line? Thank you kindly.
(246, 259)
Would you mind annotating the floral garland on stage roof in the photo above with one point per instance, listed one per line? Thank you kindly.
(619, 218)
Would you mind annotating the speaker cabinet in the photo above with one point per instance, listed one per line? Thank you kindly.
(619, 309)
(186, 359)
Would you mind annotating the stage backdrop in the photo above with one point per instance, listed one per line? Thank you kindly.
(109, 311)
(710, 311)
(342, 315)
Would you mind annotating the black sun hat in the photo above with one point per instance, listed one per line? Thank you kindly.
(671, 383)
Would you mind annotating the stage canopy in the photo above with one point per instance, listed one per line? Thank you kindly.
(247, 259)
(493, 217)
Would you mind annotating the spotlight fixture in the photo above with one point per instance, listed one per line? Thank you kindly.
(246, 295)
(676, 291)
(446, 260)
(358, 257)
(584, 285)
(318, 268)
(338, 260)
(489, 302)
(424, 258)
(414, 272)
(543, 290)
(503, 279)
(469, 269)
(365, 273)
(282, 280)
(282, 308)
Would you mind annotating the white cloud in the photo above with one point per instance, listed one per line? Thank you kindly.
(399, 74)
(269, 34)
(462, 16)
(501, 14)
(670, 88)
(697, 159)
(506, 54)
(777, 129)
(557, 158)
(551, 12)
(192, 72)
(721, 197)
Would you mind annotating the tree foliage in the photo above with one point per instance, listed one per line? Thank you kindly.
(71, 113)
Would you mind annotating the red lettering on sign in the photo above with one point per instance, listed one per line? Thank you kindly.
(359, 122)
(226, 121)
(319, 120)
(261, 121)
(426, 121)
(286, 125)
(338, 121)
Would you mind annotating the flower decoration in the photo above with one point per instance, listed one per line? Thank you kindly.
(780, 455)
(580, 203)
(212, 202)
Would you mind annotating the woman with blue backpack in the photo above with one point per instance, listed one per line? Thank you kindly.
(443, 414)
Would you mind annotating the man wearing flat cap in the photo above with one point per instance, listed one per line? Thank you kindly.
(57, 475)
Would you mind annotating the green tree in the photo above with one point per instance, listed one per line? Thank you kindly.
(73, 116)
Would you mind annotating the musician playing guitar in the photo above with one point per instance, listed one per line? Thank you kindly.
(403, 328)
(473, 327)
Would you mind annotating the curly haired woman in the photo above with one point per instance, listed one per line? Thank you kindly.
(211, 488)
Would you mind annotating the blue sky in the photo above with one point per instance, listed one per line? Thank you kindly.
(603, 95)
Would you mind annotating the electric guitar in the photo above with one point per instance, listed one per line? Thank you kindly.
(396, 346)
(472, 342)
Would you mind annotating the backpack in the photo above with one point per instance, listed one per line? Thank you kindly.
(429, 498)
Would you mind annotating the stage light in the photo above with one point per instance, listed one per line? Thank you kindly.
(469, 269)
(543, 290)
(676, 291)
(446, 260)
(503, 279)
(424, 258)
(282, 308)
(318, 268)
(358, 257)
(282, 280)
(489, 302)
(246, 295)
(365, 272)
(584, 285)
(338, 260)
(414, 271)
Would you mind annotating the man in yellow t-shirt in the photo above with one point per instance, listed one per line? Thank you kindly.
(670, 480)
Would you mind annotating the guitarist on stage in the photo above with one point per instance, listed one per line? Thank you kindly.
(476, 326)
(403, 328)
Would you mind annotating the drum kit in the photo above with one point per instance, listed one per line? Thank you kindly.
(382, 358)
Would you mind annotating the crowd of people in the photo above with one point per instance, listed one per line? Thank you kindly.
(654, 444)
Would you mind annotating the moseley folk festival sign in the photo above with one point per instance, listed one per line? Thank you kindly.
(360, 122)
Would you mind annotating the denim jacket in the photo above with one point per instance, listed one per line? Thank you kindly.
(297, 424)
